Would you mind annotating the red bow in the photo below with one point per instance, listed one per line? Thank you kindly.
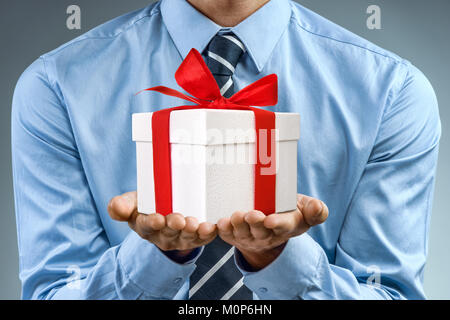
(194, 76)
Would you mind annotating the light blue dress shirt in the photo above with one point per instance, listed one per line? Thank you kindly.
(369, 143)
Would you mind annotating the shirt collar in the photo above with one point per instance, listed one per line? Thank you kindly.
(260, 32)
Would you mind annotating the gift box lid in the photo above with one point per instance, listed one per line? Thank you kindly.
(213, 126)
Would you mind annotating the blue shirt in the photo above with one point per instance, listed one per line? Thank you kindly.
(369, 143)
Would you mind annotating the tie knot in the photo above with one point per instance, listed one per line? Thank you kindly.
(223, 54)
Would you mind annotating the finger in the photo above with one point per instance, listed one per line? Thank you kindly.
(202, 242)
(241, 228)
(225, 228)
(286, 223)
(175, 222)
(121, 208)
(255, 220)
(189, 233)
(206, 230)
(146, 225)
(150, 222)
(314, 211)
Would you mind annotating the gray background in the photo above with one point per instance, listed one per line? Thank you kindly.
(416, 30)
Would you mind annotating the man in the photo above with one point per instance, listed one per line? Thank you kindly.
(368, 149)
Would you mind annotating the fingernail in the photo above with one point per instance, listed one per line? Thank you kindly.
(321, 205)
(318, 212)
(310, 205)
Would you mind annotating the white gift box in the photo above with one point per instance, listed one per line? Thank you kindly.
(213, 156)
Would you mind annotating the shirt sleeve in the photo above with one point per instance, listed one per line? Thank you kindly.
(63, 248)
(382, 247)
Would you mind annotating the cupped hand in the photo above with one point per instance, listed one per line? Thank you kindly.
(261, 238)
(171, 232)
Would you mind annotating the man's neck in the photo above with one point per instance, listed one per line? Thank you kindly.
(227, 13)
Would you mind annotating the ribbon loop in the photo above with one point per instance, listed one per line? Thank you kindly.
(263, 92)
(194, 76)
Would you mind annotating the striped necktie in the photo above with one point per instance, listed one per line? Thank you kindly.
(216, 276)
(222, 56)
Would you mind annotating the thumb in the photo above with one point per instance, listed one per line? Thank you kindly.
(314, 211)
(122, 207)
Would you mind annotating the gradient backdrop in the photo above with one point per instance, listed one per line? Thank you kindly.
(417, 30)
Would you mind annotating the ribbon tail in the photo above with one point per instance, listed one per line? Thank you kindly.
(173, 93)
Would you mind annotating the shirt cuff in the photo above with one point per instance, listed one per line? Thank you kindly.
(190, 258)
(289, 275)
(149, 269)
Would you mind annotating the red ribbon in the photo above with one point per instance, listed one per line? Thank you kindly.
(194, 76)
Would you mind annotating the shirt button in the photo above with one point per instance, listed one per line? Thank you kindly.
(263, 290)
(177, 280)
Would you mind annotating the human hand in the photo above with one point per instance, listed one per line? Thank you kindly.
(261, 238)
(171, 232)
